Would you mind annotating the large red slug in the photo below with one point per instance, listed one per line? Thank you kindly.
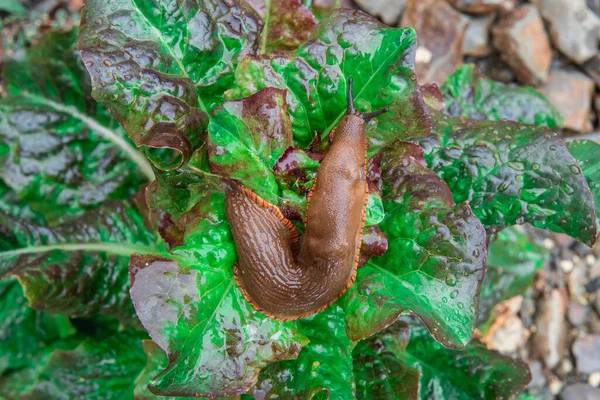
(278, 277)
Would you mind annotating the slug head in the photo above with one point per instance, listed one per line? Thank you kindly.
(364, 116)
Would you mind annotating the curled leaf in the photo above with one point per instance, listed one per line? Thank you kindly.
(161, 67)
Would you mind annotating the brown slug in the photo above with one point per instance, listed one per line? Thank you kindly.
(278, 277)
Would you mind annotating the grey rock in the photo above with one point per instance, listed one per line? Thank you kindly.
(477, 40)
(580, 391)
(578, 313)
(592, 67)
(574, 27)
(388, 10)
(587, 354)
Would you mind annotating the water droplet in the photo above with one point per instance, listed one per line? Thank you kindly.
(575, 169)
(472, 308)
(454, 294)
(519, 178)
(535, 166)
(444, 299)
(553, 147)
(460, 305)
(107, 63)
(450, 280)
(476, 253)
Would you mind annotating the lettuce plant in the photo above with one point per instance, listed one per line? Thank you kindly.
(117, 256)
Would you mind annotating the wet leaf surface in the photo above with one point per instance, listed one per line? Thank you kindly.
(25, 332)
(512, 174)
(161, 66)
(471, 373)
(380, 371)
(60, 152)
(77, 268)
(287, 23)
(434, 265)
(189, 303)
(247, 137)
(324, 366)
(346, 44)
(96, 370)
(587, 155)
(468, 93)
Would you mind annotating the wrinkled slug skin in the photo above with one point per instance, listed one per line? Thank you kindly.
(277, 279)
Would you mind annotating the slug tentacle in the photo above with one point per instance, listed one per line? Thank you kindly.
(276, 277)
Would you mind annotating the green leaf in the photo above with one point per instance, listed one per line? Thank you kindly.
(80, 267)
(189, 303)
(512, 174)
(472, 373)
(247, 137)
(157, 361)
(513, 260)
(96, 370)
(25, 332)
(323, 366)
(374, 213)
(587, 155)
(59, 150)
(10, 203)
(346, 44)
(161, 66)
(434, 265)
(287, 23)
(380, 370)
(467, 93)
(12, 7)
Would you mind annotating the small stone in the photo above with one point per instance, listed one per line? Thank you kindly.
(522, 41)
(594, 379)
(441, 30)
(556, 386)
(587, 354)
(549, 343)
(580, 391)
(577, 313)
(566, 265)
(538, 378)
(592, 68)
(482, 6)
(571, 93)
(574, 28)
(477, 37)
(566, 366)
(388, 10)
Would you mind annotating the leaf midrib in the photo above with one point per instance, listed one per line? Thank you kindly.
(110, 248)
(100, 130)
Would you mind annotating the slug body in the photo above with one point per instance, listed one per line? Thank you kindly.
(276, 277)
